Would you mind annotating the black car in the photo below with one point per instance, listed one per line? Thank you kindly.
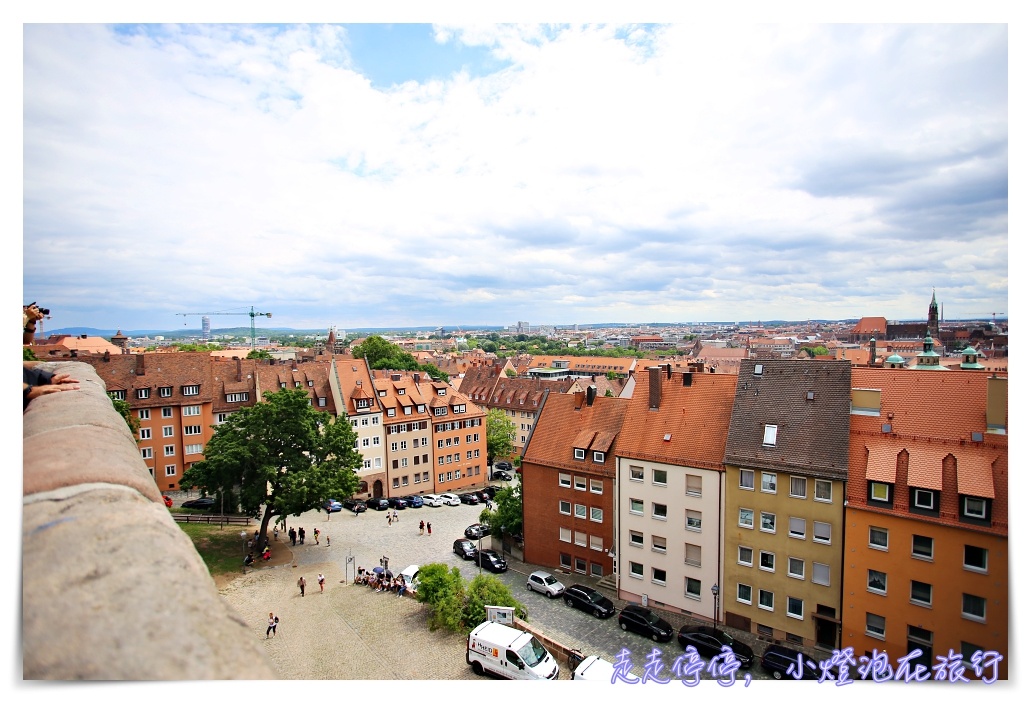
(466, 549)
(354, 505)
(643, 621)
(477, 531)
(777, 659)
(491, 491)
(379, 503)
(468, 498)
(491, 560)
(709, 642)
(199, 503)
(589, 600)
(502, 475)
(481, 494)
(398, 502)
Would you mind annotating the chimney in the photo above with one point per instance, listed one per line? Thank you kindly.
(668, 370)
(688, 379)
(294, 365)
(107, 356)
(239, 369)
(872, 351)
(654, 387)
(140, 364)
(417, 378)
(591, 394)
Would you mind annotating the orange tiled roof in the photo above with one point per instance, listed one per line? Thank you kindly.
(882, 465)
(975, 475)
(925, 468)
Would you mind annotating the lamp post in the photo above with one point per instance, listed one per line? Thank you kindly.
(715, 605)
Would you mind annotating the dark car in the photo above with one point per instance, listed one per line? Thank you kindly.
(778, 659)
(709, 642)
(477, 531)
(483, 497)
(200, 503)
(466, 549)
(398, 502)
(379, 503)
(589, 600)
(332, 505)
(642, 620)
(354, 505)
(491, 560)
(415, 500)
(468, 498)
(503, 465)
(491, 491)
(502, 475)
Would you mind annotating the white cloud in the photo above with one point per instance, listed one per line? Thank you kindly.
(677, 172)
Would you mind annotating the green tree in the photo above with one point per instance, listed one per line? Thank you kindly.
(510, 373)
(259, 354)
(500, 435)
(281, 453)
(375, 349)
(123, 408)
(443, 593)
(506, 520)
(27, 354)
(487, 590)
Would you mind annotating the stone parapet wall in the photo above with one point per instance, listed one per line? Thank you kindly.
(112, 589)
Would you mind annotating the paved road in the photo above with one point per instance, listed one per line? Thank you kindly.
(350, 632)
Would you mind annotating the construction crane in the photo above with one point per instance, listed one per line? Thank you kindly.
(252, 314)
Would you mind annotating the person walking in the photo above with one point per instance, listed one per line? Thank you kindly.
(300, 534)
(327, 540)
(317, 532)
(429, 528)
(301, 582)
(275, 532)
(421, 527)
(293, 536)
(273, 622)
(389, 520)
(321, 583)
(395, 515)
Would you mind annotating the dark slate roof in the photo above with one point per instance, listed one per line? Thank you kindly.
(812, 435)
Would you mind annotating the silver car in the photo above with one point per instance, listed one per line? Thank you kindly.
(545, 583)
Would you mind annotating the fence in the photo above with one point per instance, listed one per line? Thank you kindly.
(212, 519)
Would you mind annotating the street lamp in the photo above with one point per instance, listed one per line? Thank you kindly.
(715, 610)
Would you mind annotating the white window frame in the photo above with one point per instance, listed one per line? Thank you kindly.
(876, 628)
(914, 600)
(146, 453)
(565, 534)
(579, 538)
(144, 433)
(655, 511)
(793, 532)
(923, 556)
(636, 570)
(580, 511)
(973, 568)
(792, 571)
(170, 470)
(875, 489)
(926, 493)
(659, 576)
(795, 600)
(772, 481)
(636, 474)
(750, 523)
(772, 600)
(698, 485)
(870, 586)
(597, 515)
(659, 544)
(144, 414)
(167, 431)
(886, 538)
(191, 411)
(142, 393)
(769, 435)
(816, 528)
(741, 482)
(692, 588)
(823, 483)
(795, 482)
(694, 549)
(579, 483)
(743, 551)
(166, 412)
(971, 615)
(821, 568)
(687, 516)
(983, 507)
(636, 538)
(771, 555)
(596, 542)
(579, 454)
(635, 502)
(193, 449)
(762, 520)
(597, 486)
(169, 449)
(654, 477)
(192, 430)
(598, 456)
(564, 507)
(750, 593)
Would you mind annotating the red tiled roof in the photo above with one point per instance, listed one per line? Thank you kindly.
(882, 465)
(975, 476)
(925, 468)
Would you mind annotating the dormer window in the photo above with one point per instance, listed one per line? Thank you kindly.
(769, 438)
(142, 393)
(759, 368)
(164, 392)
(382, 393)
(117, 394)
(190, 389)
(598, 456)
(390, 412)
(400, 391)
(579, 454)
(421, 409)
(407, 410)
(311, 383)
(442, 392)
(282, 385)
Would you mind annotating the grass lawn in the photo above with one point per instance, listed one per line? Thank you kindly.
(221, 548)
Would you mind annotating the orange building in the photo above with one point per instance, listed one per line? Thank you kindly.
(926, 539)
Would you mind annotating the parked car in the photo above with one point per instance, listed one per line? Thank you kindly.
(491, 560)
(355, 505)
(481, 494)
(544, 582)
(397, 502)
(709, 642)
(477, 531)
(503, 465)
(778, 659)
(199, 503)
(589, 600)
(432, 500)
(168, 500)
(414, 500)
(468, 498)
(466, 549)
(410, 577)
(642, 620)
(379, 503)
(332, 505)
(502, 475)
(449, 498)
(491, 491)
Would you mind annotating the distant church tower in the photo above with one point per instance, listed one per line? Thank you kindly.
(932, 322)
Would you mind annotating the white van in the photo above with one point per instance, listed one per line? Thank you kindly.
(432, 500)
(508, 653)
(410, 577)
(597, 668)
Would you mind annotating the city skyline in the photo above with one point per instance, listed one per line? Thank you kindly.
(411, 175)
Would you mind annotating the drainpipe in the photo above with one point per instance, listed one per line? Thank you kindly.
(718, 564)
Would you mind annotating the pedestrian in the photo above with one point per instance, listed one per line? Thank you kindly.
(293, 536)
(328, 513)
(301, 582)
(321, 583)
(317, 532)
(421, 527)
(389, 521)
(300, 535)
(273, 622)
(327, 540)
(429, 528)
(275, 532)
(395, 515)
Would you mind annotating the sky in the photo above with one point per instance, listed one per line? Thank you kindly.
(478, 173)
